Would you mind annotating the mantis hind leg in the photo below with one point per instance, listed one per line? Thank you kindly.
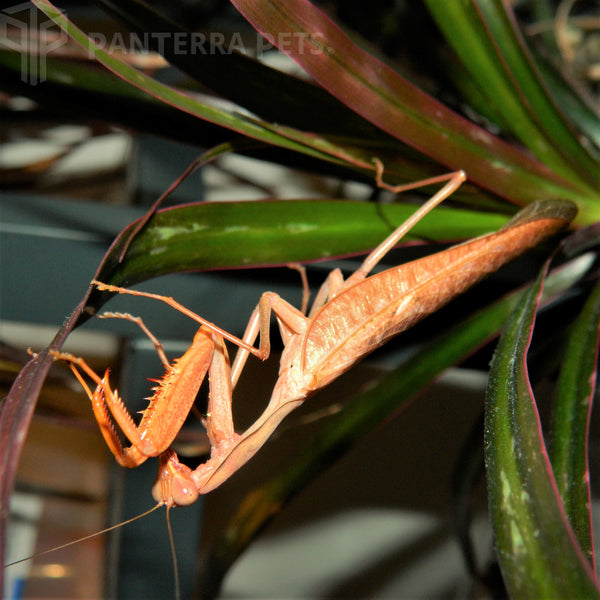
(335, 282)
(454, 181)
(290, 319)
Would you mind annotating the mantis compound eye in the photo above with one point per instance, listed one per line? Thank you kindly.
(183, 491)
(174, 484)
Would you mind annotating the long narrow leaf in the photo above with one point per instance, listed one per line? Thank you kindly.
(508, 171)
(82, 90)
(89, 92)
(484, 35)
(380, 95)
(232, 234)
(568, 450)
(234, 121)
(580, 108)
(15, 416)
(538, 553)
(249, 83)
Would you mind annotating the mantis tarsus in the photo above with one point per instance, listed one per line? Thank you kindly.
(348, 320)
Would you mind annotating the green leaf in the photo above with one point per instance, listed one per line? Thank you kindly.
(232, 234)
(537, 550)
(352, 153)
(491, 163)
(380, 95)
(568, 450)
(80, 89)
(581, 109)
(299, 142)
(77, 88)
(249, 83)
(490, 46)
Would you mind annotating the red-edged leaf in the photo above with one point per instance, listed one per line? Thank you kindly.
(380, 95)
(569, 448)
(538, 552)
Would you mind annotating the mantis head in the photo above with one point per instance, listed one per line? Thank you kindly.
(174, 485)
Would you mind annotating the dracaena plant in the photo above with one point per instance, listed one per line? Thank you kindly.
(529, 135)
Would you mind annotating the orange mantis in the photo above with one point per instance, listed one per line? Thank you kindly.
(348, 320)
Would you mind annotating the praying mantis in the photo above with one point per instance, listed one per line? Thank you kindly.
(348, 320)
